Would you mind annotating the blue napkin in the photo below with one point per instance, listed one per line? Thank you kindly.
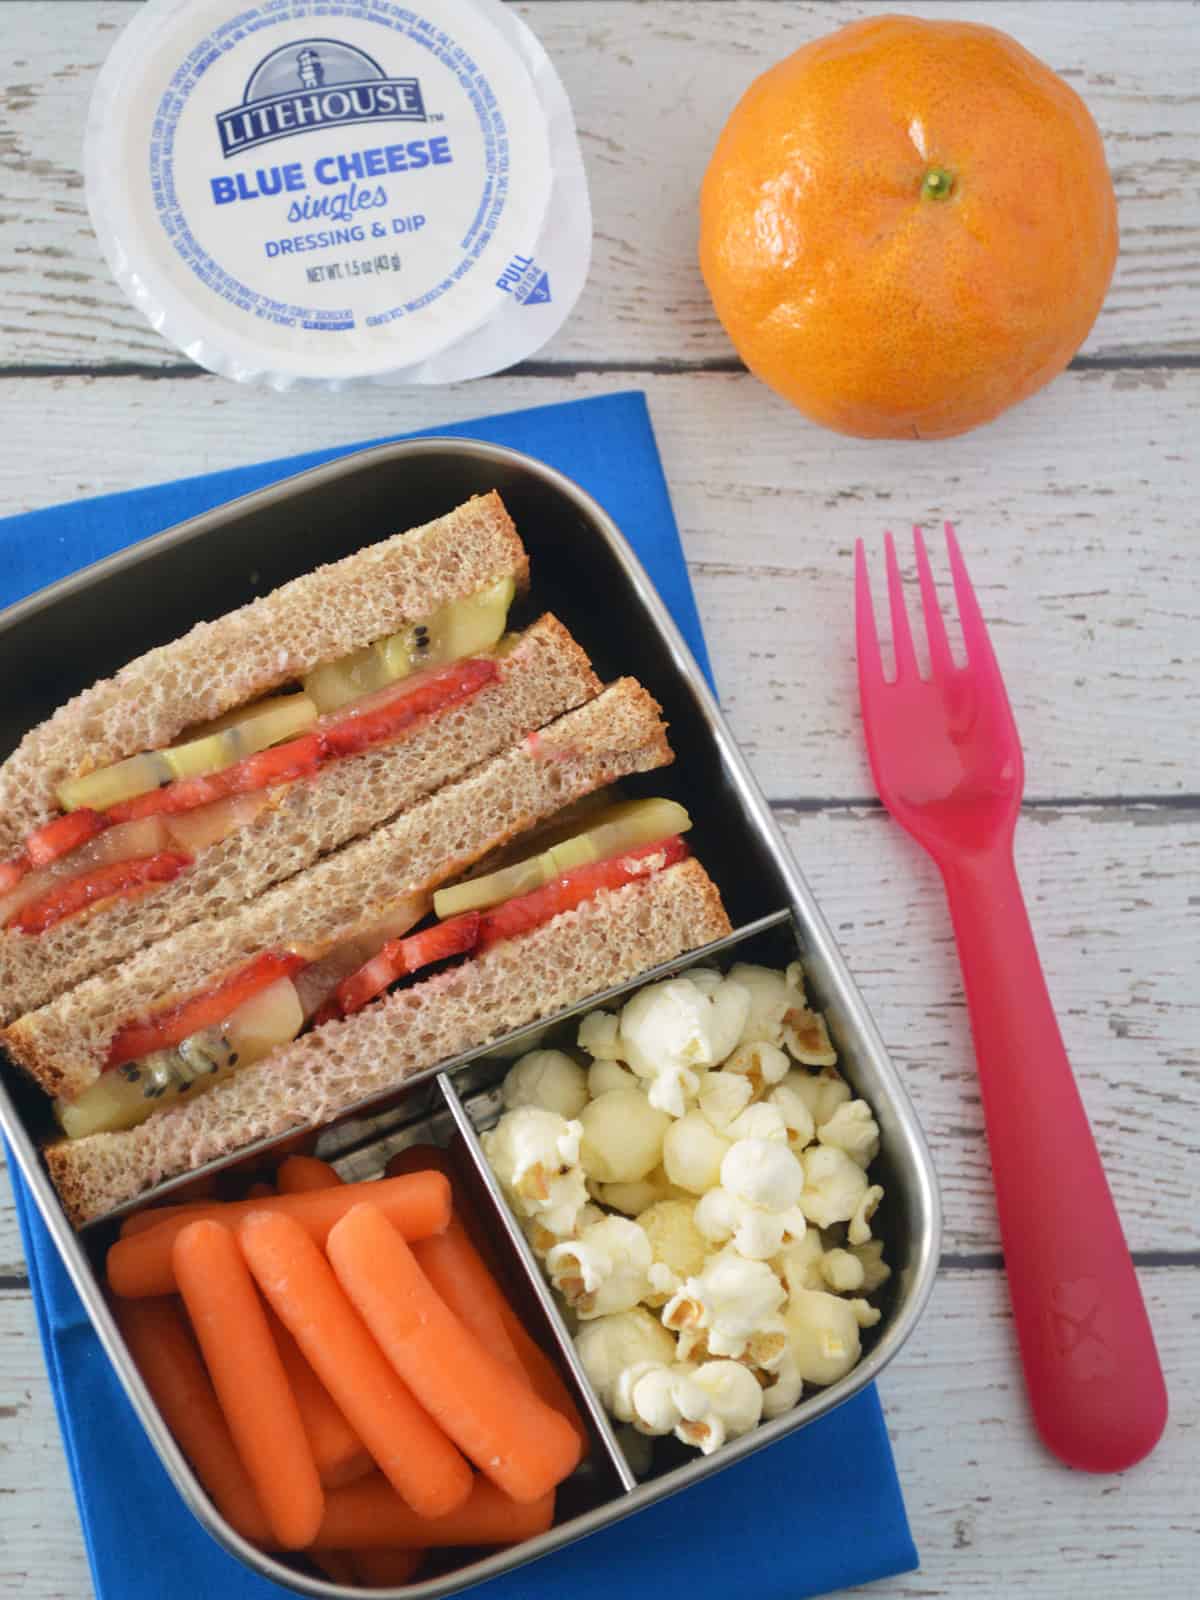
(818, 1511)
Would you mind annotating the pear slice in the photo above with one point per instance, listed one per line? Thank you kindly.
(110, 785)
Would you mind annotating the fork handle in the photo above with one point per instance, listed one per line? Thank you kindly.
(1090, 1362)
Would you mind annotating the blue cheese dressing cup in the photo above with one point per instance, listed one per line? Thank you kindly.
(331, 190)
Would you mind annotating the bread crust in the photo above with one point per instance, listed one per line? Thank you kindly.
(344, 1065)
(545, 675)
(218, 665)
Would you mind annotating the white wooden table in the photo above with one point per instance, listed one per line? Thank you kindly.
(1078, 512)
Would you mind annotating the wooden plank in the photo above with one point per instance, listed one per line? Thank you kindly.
(993, 1514)
(1135, 63)
(1073, 512)
(1117, 938)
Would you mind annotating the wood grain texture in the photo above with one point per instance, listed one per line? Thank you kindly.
(688, 62)
(1074, 511)
(992, 1514)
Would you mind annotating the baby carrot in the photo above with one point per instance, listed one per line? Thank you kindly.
(456, 1270)
(235, 1341)
(300, 1174)
(369, 1515)
(385, 1569)
(412, 1450)
(157, 1335)
(143, 1221)
(140, 1264)
(337, 1449)
(460, 1274)
(484, 1406)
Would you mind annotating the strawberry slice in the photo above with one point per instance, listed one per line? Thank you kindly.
(296, 759)
(529, 911)
(61, 835)
(213, 1006)
(401, 956)
(386, 718)
(106, 883)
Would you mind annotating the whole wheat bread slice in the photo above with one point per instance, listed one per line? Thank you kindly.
(248, 652)
(544, 675)
(326, 1073)
(64, 1045)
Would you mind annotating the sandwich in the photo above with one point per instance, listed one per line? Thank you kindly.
(509, 894)
(235, 757)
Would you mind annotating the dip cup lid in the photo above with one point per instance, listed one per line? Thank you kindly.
(294, 191)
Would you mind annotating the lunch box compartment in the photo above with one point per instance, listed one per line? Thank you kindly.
(583, 570)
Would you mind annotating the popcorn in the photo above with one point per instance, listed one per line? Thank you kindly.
(783, 1387)
(671, 1029)
(853, 1129)
(717, 1162)
(678, 1249)
(730, 1302)
(841, 1271)
(799, 1262)
(756, 1202)
(859, 1230)
(622, 1136)
(822, 1092)
(722, 1096)
(865, 1314)
(732, 1404)
(605, 1074)
(758, 1122)
(547, 1078)
(647, 1395)
(798, 1125)
(692, 1153)
(807, 1038)
(702, 1405)
(608, 1344)
(762, 1064)
(772, 995)
(534, 1154)
(600, 1035)
(822, 1335)
(634, 1198)
(834, 1187)
(529, 1146)
(876, 1271)
(604, 1269)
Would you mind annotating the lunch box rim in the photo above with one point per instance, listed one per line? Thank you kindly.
(924, 1244)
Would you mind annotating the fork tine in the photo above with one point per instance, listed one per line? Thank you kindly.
(940, 659)
(902, 641)
(870, 666)
(975, 635)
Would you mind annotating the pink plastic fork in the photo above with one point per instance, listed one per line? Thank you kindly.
(947, 763)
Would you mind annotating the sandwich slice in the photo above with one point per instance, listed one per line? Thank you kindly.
(238, 755)
(373, 965)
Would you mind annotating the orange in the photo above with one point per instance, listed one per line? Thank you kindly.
(908, 226)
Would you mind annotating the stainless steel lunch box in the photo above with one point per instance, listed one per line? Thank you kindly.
(84, 627)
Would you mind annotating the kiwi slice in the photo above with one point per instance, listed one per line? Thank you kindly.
(122, 781)
(461, 628)
(125, 1096)
(626, 826)
(267, 723)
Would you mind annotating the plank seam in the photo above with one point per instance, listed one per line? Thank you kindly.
(1183, 361)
